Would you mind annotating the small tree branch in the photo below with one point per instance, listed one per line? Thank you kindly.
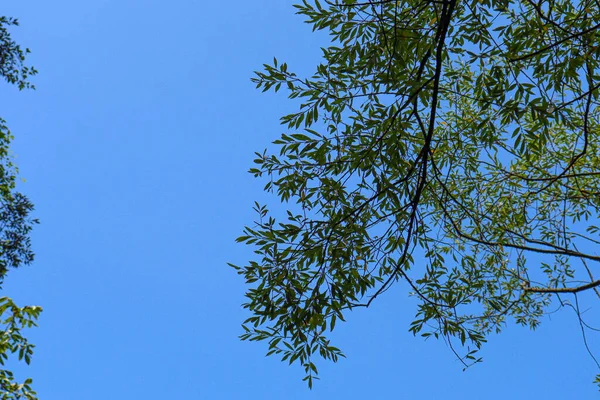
(577, 289)
(555, 44)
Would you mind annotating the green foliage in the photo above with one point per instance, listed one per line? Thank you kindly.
(12, 57)
(16, 224)
(15, 209)
(13, 320)
(448, 145)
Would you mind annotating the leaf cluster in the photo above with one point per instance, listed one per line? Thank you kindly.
(13, 319)
(12, 57)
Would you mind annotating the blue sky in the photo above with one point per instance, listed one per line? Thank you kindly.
(135, 148)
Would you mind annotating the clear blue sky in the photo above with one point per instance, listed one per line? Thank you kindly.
(135, 149)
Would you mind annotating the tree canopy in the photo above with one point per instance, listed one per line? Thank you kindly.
(448, 146)
(15, 226)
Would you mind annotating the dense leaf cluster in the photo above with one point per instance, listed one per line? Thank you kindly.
(15, 209)
(450, 145)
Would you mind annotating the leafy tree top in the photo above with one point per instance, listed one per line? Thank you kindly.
(448, 146)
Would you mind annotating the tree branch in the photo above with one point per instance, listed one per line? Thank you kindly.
(577, 289)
